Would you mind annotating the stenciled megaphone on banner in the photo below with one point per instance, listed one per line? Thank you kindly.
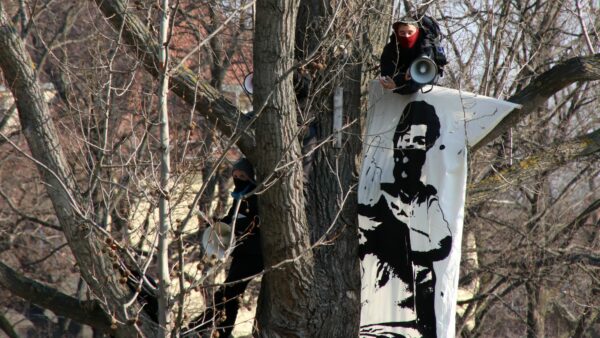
(248, 86)
(216, 239)
(423, 70)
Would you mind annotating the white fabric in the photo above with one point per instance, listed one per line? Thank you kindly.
(464, 118)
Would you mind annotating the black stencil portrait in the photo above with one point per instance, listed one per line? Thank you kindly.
(401, 229)
(411, 201)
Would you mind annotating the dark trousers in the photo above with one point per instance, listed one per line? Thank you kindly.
(221, 316)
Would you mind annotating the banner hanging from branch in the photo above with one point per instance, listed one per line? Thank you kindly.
(411, 200)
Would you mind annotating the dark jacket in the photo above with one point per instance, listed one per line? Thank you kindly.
(247, 232)
(396, 60)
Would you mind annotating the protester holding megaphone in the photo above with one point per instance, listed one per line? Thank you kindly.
(414, 57)
(247, 257)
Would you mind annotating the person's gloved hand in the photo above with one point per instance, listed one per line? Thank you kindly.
(387, 82)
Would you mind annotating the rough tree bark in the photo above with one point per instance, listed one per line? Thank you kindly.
(286, 293)
(331, 204)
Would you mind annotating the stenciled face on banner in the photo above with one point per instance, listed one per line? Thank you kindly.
(411, 203)
(403, 241)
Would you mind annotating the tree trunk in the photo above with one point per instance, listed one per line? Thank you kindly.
(536, 305)
(42, 138)
(164, 295)
(286, 293)
(335, 170)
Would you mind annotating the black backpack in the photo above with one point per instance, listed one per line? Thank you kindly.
(432, 45)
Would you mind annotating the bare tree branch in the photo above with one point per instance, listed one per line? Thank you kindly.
(27, 217)
(587, 320)
(543, 87)
(164, 308)
(7, 327)
(199, 94)
(50, 254)
(86, 312)
(549, 158)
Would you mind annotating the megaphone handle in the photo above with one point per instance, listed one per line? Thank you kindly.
(425, 92)
(233, 222)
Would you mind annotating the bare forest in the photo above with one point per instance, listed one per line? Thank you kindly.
(120, 120)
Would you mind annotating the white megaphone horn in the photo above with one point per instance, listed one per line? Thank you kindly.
(215, 240)
(248, 86)
(423, 70)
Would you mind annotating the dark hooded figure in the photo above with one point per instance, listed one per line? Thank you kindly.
(247, 262)
(409, 231)
(247, 258)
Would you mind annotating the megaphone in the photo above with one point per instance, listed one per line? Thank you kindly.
(216, 239)
(248, 86)
(423, 70)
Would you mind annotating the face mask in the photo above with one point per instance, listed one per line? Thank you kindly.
(240, 184)
(408, 41)
(241, 188)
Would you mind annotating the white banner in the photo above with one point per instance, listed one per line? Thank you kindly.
(411, 200)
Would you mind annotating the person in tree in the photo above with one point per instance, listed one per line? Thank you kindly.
(247, 257)
(411, 38)
(247, 262)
